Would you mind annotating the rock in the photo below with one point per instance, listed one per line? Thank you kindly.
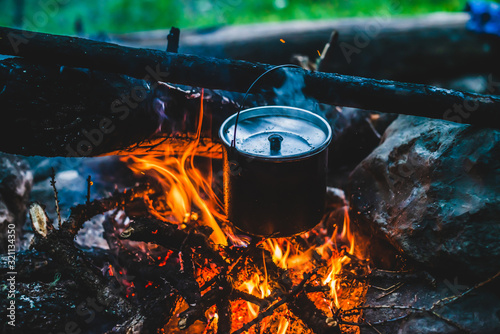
(15, 185)
(335, 199)
(433, 189)
(475, 312)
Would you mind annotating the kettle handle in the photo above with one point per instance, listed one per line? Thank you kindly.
(233, 142)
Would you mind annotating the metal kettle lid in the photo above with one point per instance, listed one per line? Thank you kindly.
(277, 132)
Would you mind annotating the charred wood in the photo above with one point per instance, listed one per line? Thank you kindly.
(197, 311)
(31, 264)
(315, 319)
(62, 249)
(151, 315)
(154, 286)
(145, 317)
(173, 40)
(83, 212)
(171, 237)
(55, 307)
(223, 307)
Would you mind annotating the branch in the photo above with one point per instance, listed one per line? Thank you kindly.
(83, 212)
(171, 237)
(173, 40)
(448, 300)
(56, 199)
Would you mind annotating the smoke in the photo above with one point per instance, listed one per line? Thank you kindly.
(291, 94)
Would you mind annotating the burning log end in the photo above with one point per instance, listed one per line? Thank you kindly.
(155, 231)
(39, 220)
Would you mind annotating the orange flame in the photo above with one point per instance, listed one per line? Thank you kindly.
(337, 262)
(253, 287)
(287, 256)
(275, 247)
(184, 184)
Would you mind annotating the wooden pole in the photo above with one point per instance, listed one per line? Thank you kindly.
(382, 95)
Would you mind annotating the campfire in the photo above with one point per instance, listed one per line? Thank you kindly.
(177, 258)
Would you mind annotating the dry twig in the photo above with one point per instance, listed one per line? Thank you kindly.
(56, 199)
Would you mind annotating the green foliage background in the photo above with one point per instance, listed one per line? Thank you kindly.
(117, 16)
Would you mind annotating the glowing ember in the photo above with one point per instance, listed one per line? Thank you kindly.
(191, 201)
(283, 326)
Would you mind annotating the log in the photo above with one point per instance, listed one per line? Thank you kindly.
(420, 49)
(53, 110)
(48, 307)
(58, 244)
(364, 93)
(171, 237)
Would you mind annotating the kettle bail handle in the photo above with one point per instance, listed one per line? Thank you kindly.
(233, 142)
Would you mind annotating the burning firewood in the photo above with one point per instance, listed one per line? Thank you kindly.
(58, 244)
(176, 267)
(220, 290)
(171, 237)
(195, 254)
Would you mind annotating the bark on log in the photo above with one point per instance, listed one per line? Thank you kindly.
(50, 108)
(381, 95)
(416, 49)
